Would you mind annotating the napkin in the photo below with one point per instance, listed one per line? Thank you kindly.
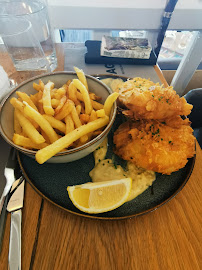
(93, 56)
(4, 83)
(125, 47)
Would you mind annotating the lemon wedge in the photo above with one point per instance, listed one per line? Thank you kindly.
(100, 197)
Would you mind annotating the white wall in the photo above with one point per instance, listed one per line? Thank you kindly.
(123, 14)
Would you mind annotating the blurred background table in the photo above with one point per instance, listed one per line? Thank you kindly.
(168, 238)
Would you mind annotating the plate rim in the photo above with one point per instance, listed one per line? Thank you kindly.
(86, 215)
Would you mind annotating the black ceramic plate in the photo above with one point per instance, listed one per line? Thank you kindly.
(51, 181)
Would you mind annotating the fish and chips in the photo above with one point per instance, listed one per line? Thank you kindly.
(155, 136)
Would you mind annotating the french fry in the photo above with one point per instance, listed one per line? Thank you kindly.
(39, 87)
(59, 93)
(59, 125)
(38, 95)
(40, 104)
(82, 77)
(46, 98)
(44, 154)
(94, 97)
(26, 98)
(86, 97)
(109, 102)
(27, 142)
(17, 126)
(34, 99)
(84, 118)
(77, 123)
(41, 121)
(36, 86)
(42, 85)
(60, 104)
(45, 136)
(17, 104)
(52, 92)
(72, 92)
(96, 105)
(54, 102)
(28, 128)
(65, 110)
(78, 109)
(68, 82)
(75, 117)
(93, 116)
(96, 133)
(69, 124)
(24, 134)
(100, 113)
(84, 139)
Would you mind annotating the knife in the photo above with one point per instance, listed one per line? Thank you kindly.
(14, 206)
(4, 209)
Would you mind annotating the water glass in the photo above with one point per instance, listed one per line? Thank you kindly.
(22, 44)
(37, 13)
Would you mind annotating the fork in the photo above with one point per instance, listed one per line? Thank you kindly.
(9, 175)
(10, 178)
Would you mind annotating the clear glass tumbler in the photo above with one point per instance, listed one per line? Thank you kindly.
(36, 12)
(22, 44)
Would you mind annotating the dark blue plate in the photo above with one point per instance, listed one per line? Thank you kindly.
(50, 180)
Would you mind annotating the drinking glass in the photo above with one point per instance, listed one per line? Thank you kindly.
(22, 44)
(36, 12)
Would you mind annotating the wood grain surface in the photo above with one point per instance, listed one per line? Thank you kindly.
(168, 238)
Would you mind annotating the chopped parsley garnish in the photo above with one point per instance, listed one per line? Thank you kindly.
(155, 133)
(115, 166)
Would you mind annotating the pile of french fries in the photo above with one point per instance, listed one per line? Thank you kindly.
(57, 119)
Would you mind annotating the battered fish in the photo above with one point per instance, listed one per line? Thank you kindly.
(143, 99)
(162, 147)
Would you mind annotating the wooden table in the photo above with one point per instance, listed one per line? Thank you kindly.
(168, 238)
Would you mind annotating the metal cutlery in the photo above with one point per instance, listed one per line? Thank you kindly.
(14, 206)
(4, 209)
(9, 173)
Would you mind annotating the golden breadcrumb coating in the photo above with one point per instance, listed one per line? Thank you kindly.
(144, 99)
(162, 147)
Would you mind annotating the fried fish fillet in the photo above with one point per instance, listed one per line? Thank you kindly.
(144, 99)
(162, 147)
